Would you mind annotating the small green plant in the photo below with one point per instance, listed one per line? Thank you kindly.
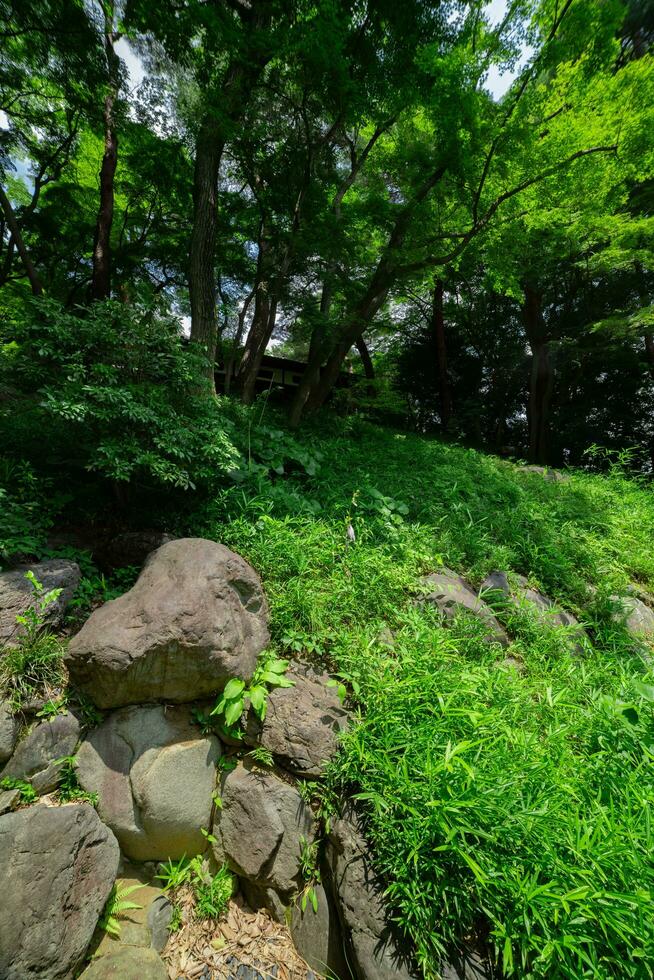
(208, 836)
(174, 874)
(116, 907)
(33, 619)
(262, 757)
(203, 721)
(321, 798)
(212, 892)
(309, 859)
(175, 919)
(299, 642)
(69, 788)
(340, 680)
(95, 588)
(27, 792)
(34, 668)
(310, 870)
(231, 703)
(52, 708)
(87, 711)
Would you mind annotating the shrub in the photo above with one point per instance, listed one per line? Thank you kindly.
(26, 505)
(111, 389)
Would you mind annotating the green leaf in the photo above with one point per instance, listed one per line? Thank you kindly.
(233, 689)
(234, 711)
(258, 696)
(645, 690)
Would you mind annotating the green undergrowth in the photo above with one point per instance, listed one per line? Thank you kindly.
(508, 801)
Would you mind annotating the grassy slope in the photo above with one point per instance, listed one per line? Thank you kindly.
(506, 803)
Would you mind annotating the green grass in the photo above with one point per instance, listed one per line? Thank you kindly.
(33, 669)
(511, 807)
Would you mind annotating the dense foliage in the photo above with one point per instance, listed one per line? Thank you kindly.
(348, 180)
(445, 212)
(508, 801)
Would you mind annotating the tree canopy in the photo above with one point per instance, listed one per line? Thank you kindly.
(340, 178)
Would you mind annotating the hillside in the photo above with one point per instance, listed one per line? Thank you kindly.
(485, 624)
(507, 798)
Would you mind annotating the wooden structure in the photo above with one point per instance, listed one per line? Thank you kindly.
(277, 372)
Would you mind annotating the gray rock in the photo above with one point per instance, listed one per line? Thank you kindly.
(637, 617)
(127, 963)
(302, 723)
(17, 594)
(8, 799)
(259, 827)
(8, 731)
(376, 953)
(552, 476)
(318, 937)
(518, 592)
(36, 756)
(154, 773)
(57, 867)
(196, 617)
(469, 966)
(265, 898)
(453, 596)
(160, 915)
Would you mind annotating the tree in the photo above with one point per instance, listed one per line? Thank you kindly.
(558, 113)
(101, 276)
(48, 68)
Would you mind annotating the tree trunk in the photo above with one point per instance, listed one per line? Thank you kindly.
(264, 332)
(366, 360)
(101, 274)
(231, 360)
(317, 351)
(649, 351)
(240, 79)
(365, 310)
(438, 326)
(542, 378)
(201, 273)
(262, 321)
(12, 224)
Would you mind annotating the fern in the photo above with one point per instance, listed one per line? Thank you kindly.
(116, 907)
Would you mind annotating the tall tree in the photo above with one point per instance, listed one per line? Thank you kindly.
(101, 276)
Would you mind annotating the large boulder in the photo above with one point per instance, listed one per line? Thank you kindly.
(37, 757)
(517, 591)
(17, 594)
(302, 723)
(8, 731)
(636, 616)
(9, 800)
(317, 935)
(196, 617)
(127, 963)
(260, 828)
(57, 867)
(453, 596)
(155, 774)
(376, 952)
